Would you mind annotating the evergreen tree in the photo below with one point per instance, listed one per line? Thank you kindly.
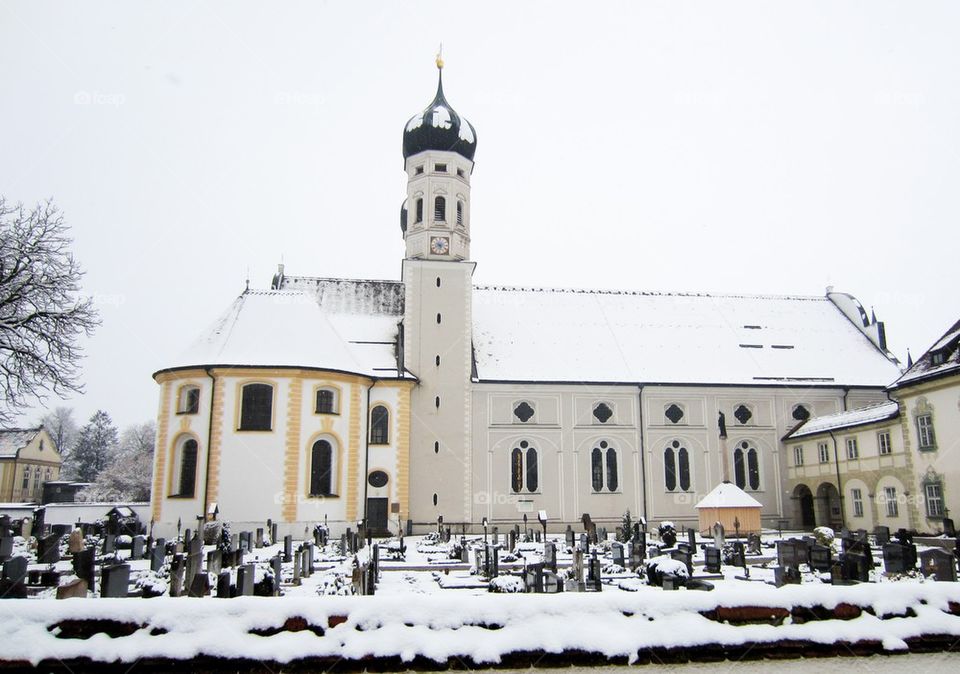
(128, 474)
(95, 448)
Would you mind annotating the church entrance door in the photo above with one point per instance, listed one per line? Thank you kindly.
(377, 514)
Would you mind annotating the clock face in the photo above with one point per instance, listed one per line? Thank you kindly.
(439, 245)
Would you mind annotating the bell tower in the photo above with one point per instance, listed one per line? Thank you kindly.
(438, 150)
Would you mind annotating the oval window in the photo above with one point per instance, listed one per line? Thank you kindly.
(378, 479)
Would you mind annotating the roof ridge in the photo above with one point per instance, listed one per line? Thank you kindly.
(341, 280)
(645, 293)
(21, 430)
(865, 408)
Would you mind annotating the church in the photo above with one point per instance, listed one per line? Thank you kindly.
(401, 402)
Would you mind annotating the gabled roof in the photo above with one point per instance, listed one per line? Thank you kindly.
(550, 335)
(12, 440)
(728, 495)
(848, 419)
(940, 360)
(331, 324)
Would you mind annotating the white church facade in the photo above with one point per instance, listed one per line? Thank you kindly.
(403, 401)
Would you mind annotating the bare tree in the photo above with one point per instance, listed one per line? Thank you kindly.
(127, 476)
(42, 315)
(62, 427)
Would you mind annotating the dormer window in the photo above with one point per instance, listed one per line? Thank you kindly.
(440, 209)
(440, 168)
(938, 358)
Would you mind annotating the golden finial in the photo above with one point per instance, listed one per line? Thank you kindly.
(440, 58)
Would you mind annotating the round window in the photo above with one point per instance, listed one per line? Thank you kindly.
(378, 479)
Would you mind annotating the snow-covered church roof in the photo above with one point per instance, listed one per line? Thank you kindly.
(549, 335)
(940, 360)
(332, 324)
(860, 416)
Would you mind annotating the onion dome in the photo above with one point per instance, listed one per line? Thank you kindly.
(439, 127)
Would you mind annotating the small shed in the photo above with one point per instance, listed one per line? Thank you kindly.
(726, 504)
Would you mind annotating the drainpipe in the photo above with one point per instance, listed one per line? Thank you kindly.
(206, 481)
(846, 392)
(836, 461)
(643, 454)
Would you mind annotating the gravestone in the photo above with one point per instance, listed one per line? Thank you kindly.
(245, 579)
(692, 538)
(115, 581)
(75, 541)
(684, 555)
(6, 548)
(787, 553)
(308, 560)
(495, 536)
(589, 527)
(637, 554)
(109, 546)
(138, 547)
(48, 549)
(672, 582)
(75, 589)
(821, 558)
(578, 567)
(258, 540)
(618, 555)
(552, 583)
(904, 536)
(277, 567)
(938, 564)
(234, 542)
(785, 575)
(738, 556)
(513, 540)
(14, 582)
(753, 544)
(593, 575)
(178, 568)
(214, 562)
(533, 578)
(550, 556)
(569, 537)
(273, 534)
(194, 559)
(711, 558)
(223, 585)
(84, 566)
(491, 562)
(199, 586)
(895, 558)
(287, 548)
(882, 535)
(158, 556)
(854, 567)
(297, 565)
(948, 528)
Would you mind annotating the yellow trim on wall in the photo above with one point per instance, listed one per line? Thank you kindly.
(216, 436)
(338, 399)
(238, 402)
(175, 455)
(336, 481)
(403, 451)
(353, 454)
(291, 456)
(161, 449)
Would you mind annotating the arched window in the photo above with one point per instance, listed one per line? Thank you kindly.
(683, 459)
(753, 468)
(440, 209)
(739, 471)
(524, 468)
(256, 408)
(188, 400)
(321, 468)
(676, 467)
(186, 469)
(379, 426)
(532, 478)
(36, 480)
(419, 210)
(596, 468)
(326, 401)
(669, 469)
(460, 213)
(612, 476)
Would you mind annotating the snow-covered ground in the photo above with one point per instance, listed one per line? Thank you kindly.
(428, 605)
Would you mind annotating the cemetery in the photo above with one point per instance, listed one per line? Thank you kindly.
(507, 595)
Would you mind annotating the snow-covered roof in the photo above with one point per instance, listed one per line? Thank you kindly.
(523, 334)
(12, 440)
(728, 495)
(333, 324)
(943, 358)
(848, 419)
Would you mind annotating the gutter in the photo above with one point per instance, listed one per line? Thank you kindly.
(643, 458)
(366, 457)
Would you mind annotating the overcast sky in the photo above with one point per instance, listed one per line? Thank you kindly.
(720, 147)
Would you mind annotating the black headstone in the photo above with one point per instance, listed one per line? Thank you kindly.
(84, 566)
(938, 564)
(115, 581)
(821, 558)
(223, 585)
(711, 558)
(48, 549)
